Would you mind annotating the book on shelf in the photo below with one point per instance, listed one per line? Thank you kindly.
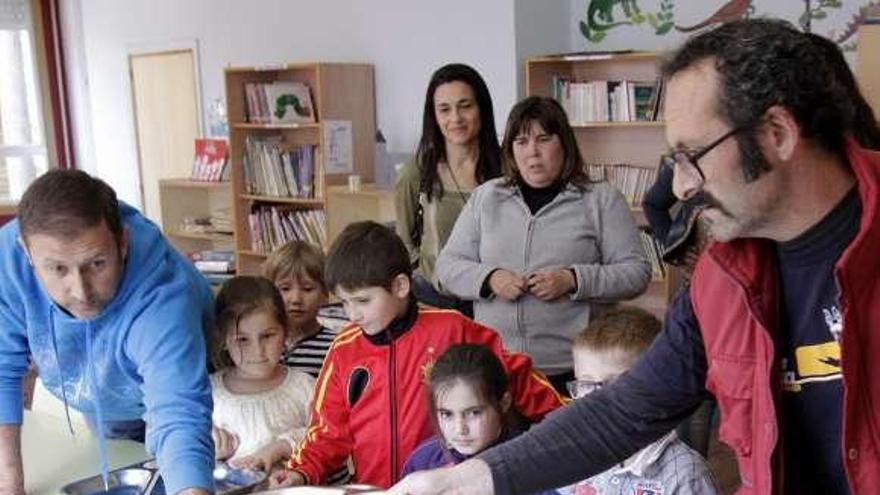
(631, 180)
(280, 102)
(210, 160)
(273, 226)
(589, 55)
(655, 254)
(219, 221)
(217, 279)
(272, 170)
(289, 102)
(218, 261)
(606, 101)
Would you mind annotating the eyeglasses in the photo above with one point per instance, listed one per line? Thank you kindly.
(689, 159)
(580, 388)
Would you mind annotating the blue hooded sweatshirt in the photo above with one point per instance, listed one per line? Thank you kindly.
(147, 356)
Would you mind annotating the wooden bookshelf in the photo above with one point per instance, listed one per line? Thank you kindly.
(339, 91)
(639, 143)
(185, 200)
(367, 203)
(868, 65)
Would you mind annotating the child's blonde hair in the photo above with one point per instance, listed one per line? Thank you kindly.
(624, 328)
(296, 259)
(240, 297)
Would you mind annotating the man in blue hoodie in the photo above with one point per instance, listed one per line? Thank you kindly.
(113, 317)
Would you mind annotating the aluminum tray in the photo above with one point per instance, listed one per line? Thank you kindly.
(143, 479)
(323, 490)
(125, 481)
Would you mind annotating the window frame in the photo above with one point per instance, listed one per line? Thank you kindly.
(52, 88)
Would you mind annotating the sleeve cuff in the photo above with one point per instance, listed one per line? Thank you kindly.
(12, 410)
(188, 473)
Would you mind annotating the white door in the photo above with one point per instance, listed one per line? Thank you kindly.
(166, 118)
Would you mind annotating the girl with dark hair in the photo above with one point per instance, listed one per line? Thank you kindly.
(542, 248)
(261, 407)
(470, 405)
(457, 151)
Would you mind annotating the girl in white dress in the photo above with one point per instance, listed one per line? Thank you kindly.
(261, 407)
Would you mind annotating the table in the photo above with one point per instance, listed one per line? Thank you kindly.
(53, 458)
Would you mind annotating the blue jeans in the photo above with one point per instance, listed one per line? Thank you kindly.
(427, 294)
(132, 429)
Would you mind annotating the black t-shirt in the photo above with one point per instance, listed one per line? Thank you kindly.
(810, 351)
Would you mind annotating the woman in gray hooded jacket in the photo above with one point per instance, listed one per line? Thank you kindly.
(543, 247)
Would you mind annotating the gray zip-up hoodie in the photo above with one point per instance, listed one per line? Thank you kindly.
(592, 232)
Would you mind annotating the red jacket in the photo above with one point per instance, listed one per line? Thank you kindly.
(735, 298)
(370, 402)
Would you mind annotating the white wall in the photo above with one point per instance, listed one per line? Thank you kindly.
(542, 28)
(405, 40)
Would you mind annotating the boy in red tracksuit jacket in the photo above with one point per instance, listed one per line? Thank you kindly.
(370, 400)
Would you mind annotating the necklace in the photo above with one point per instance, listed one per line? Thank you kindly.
(455, 181)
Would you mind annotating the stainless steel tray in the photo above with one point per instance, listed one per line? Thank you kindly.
(125, 481)
(144, 479)
(323, 490)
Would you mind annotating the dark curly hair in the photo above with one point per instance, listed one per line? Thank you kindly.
(767, 62)
(432, 145)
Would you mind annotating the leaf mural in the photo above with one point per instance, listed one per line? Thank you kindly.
(602, 16)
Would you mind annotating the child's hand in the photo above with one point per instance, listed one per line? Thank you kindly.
(225, 442)
(264, 458)
(285, 477)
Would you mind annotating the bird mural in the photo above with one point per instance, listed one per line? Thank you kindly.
(730, 11)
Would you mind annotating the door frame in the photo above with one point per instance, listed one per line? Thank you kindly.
(159, 48)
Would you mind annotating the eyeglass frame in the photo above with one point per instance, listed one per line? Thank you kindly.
(670, 159)
(572, 386)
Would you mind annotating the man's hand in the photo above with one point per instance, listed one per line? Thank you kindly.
(551, 284)
(471, 477)
(225, 442)
(507, 285)
(286, 477)
(11, 471)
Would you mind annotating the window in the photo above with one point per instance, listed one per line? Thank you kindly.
(23, 151)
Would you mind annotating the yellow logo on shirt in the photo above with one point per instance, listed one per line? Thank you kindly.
(818, 360)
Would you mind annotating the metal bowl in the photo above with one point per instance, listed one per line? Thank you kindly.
(126, 481)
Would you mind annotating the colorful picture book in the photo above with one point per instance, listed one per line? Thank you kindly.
(210, 160)
(280, 102)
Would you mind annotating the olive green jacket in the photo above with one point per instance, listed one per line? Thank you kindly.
(439, 216)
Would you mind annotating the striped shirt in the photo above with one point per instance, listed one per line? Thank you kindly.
(308, 354)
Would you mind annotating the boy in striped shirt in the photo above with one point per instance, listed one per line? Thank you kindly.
(297, 270)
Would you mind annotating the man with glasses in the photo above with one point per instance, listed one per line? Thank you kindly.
(781, 316)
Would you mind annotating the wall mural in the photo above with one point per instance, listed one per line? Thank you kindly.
(605, 15)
